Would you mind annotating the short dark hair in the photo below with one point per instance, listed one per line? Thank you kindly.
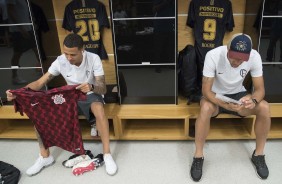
(73, 40)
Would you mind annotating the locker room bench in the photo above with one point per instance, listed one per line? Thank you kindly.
(151, 122)
(15, 126)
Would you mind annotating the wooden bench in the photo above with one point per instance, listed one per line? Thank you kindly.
(151, 122)
(15, 126)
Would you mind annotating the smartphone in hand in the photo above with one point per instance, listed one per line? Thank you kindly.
(227, 99)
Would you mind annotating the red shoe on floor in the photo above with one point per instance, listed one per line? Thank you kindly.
(83, 167)
(88, 165)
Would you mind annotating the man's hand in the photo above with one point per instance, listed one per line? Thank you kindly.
(234, 107)
(10, 96)
(248, 102)
(84, 87)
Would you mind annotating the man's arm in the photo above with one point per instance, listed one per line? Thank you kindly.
(100, 85)
(259, 90)
(38, 84)
(98, 88)
(258, 93)
(207, 83)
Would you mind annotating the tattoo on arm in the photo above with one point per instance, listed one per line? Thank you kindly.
(100, 85)
(50, 77)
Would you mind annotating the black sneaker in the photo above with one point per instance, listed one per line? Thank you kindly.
(196, 168)
(261, 167)
(99, 160)
(87, 152)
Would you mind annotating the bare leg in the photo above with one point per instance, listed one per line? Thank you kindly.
(262, 126)
(43, 151)
(203, 125)
(102, 124)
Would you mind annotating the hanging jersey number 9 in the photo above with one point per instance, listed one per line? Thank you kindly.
(209, 29)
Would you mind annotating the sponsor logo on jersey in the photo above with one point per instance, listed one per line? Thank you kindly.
(58, 99)
(34, 104)
(84, 10)
(211, 11)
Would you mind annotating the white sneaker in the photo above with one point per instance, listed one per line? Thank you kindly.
(40, 164)
(111, 167)
(76, 160)
(94, 131)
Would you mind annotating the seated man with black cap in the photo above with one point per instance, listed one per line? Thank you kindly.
(224, 71)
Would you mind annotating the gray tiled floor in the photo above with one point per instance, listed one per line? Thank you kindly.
(152, 162)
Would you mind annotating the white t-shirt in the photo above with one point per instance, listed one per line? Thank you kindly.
(90, 67)
(229, 80)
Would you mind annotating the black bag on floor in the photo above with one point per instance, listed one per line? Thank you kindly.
(9, 174)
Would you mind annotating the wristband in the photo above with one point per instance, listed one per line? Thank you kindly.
(255, 101)
(92, 87)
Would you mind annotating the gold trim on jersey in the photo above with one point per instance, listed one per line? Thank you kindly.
(210, 14)
(85, 16)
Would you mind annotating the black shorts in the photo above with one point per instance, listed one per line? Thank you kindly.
(84, 107)
(236, 96)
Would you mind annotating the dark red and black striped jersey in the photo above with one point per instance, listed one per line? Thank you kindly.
(87, 19)
(209, 19)
(54, 114)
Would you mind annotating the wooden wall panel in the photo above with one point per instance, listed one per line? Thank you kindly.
(250, 30)
(238, 6)
(183, 6)
(185, 33)
(108, 40)
(110, 70)
(59, 8)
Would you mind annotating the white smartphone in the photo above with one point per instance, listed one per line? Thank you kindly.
(227, 99)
